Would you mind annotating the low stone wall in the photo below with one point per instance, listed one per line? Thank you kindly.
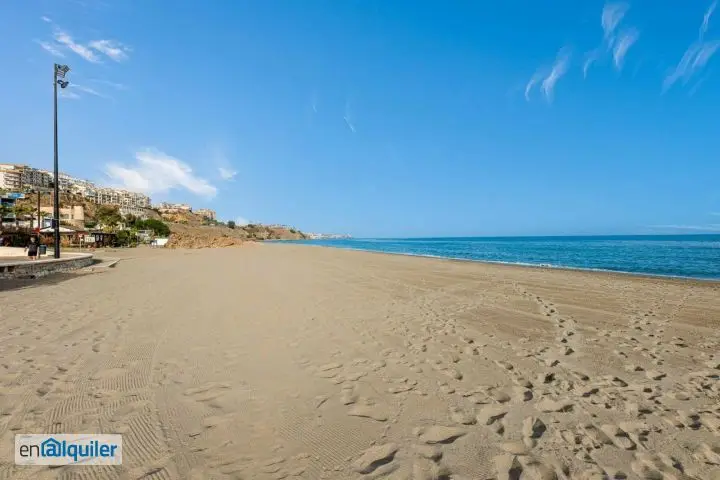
(12, 252)
(40, 268)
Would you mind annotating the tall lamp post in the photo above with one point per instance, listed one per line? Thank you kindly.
(59, 72)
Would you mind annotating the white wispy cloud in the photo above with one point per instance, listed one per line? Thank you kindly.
(63, 38)
(92, 51)
(241, 222)
(713, 227)
(622, 44)
(64, 93)
(590, 58)
(693, 60)
(227, 173)
(349, 123)
(706, 19)
(88, 90)
(114, 50)
(50, 48)
(693, 90)
(615, 42)
(697, 55)
(157, 172)
(348, 118)
(531, 84)
(117, 86)
(548, 77)
(612, 15)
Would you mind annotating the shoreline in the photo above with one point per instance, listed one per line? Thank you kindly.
(649, 276)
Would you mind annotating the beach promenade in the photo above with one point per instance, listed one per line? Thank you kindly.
(283, 361)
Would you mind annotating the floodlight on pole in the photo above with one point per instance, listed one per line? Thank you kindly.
(59, 72)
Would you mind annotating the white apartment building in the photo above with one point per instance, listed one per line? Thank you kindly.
(10, 176)
(15, 177)
(115, 196)
(173, 207)
(206, 212)
(74, 185)
(34, 177)
(10, 180)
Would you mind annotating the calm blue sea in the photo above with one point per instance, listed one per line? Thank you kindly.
(695, 256)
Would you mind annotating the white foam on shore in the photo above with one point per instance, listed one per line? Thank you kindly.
(521, 264)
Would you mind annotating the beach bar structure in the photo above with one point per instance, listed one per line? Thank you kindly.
(68, 236)
(98, 239)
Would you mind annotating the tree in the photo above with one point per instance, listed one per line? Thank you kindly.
(159, 228)
(231, 224)
(108, 215)
(125, 238)
(24, 210)
(131, 220)
(4, 211)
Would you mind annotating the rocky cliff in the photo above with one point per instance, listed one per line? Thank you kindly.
(192, 231)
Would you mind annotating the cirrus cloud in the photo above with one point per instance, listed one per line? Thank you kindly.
(549, 76)
(93, 51)
(696, 56)
(114, 50)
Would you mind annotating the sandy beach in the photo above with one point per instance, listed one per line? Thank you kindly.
(284, 361)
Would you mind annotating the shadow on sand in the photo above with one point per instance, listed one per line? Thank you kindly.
(52, 279)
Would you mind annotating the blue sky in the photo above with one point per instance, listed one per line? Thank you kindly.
(377, 118)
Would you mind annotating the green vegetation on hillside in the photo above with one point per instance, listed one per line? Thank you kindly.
(108, 215)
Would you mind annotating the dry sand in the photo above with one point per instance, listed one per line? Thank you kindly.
(281, 361)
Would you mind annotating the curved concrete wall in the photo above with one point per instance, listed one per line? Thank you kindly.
(40, 268)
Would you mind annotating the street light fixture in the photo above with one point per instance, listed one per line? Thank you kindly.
(59, 72)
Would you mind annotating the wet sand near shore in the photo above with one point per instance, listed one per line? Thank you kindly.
(293, 362)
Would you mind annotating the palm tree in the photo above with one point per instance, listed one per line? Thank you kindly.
(4, 210)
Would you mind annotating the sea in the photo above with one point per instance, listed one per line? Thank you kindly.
(688, 256)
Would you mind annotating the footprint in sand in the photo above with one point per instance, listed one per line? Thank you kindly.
(708, 454)
(500, 396)
(515, 467)
(424, 469)
(328, 370)
(655, 375)
(374, 457)
(491, 414)
(440, 434)
(430, 452)
(348, 395)
(547, 405)
(516, 448)
(462, 416)
(504, 365)
(533, 427)
(648, 465)
(367, 409)
(207, 392)
(618, 436)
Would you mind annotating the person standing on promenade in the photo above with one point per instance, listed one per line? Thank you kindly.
(32, 248)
